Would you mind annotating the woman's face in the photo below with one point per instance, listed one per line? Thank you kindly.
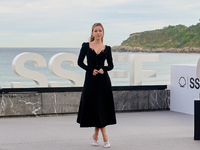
(98, 33)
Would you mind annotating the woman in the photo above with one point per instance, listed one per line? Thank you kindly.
(96, 106)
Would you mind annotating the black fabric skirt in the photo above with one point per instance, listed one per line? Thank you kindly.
(96, 106)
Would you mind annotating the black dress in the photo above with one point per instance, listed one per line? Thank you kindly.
(96, 106)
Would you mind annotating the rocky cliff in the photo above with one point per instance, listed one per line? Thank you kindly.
(156, 50)
(174, 39)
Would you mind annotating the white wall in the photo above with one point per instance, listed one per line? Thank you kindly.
(184, 88)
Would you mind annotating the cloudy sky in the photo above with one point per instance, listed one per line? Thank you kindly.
(67, 23)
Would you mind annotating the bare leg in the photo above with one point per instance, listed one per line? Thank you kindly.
(96, 133)
(95, 137)
(105, 136)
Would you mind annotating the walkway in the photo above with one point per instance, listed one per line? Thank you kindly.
(156, 130)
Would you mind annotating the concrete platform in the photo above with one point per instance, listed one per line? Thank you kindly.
(156, 130)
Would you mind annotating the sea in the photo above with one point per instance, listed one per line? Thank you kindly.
(162, 67)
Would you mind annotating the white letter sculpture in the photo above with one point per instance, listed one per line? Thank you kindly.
(119, 73)
(20, 70)
(136, 72)
(55, 68)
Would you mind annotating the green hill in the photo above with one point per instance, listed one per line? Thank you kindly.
(178, 36)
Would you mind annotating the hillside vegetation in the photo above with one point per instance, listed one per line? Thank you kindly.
(178, 36)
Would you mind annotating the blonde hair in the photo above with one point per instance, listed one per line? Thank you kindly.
(91, 36)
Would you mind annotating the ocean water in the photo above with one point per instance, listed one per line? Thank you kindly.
(162, 67)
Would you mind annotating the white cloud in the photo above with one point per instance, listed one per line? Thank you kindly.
(8, 10)
(68, 22)
(6, 34)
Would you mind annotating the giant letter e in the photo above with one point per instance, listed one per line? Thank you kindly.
(136, 72)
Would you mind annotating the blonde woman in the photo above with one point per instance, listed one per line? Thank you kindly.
(96, 106)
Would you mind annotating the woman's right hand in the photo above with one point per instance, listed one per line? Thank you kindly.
(95, 72)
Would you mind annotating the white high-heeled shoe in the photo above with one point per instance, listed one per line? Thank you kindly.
(107, 144)
(95, 142)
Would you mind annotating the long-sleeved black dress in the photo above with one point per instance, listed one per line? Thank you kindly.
(96, 106)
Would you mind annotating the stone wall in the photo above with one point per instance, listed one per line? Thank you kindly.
(33, 103)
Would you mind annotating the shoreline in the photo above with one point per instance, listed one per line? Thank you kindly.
(156, 50)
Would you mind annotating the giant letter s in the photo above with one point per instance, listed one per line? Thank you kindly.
(19, 69)
(55, 68)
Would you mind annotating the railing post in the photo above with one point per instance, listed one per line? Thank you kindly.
(197, 119)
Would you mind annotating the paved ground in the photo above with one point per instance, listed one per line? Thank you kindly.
(157, 130)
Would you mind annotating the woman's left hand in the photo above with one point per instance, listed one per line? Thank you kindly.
(101, 71)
